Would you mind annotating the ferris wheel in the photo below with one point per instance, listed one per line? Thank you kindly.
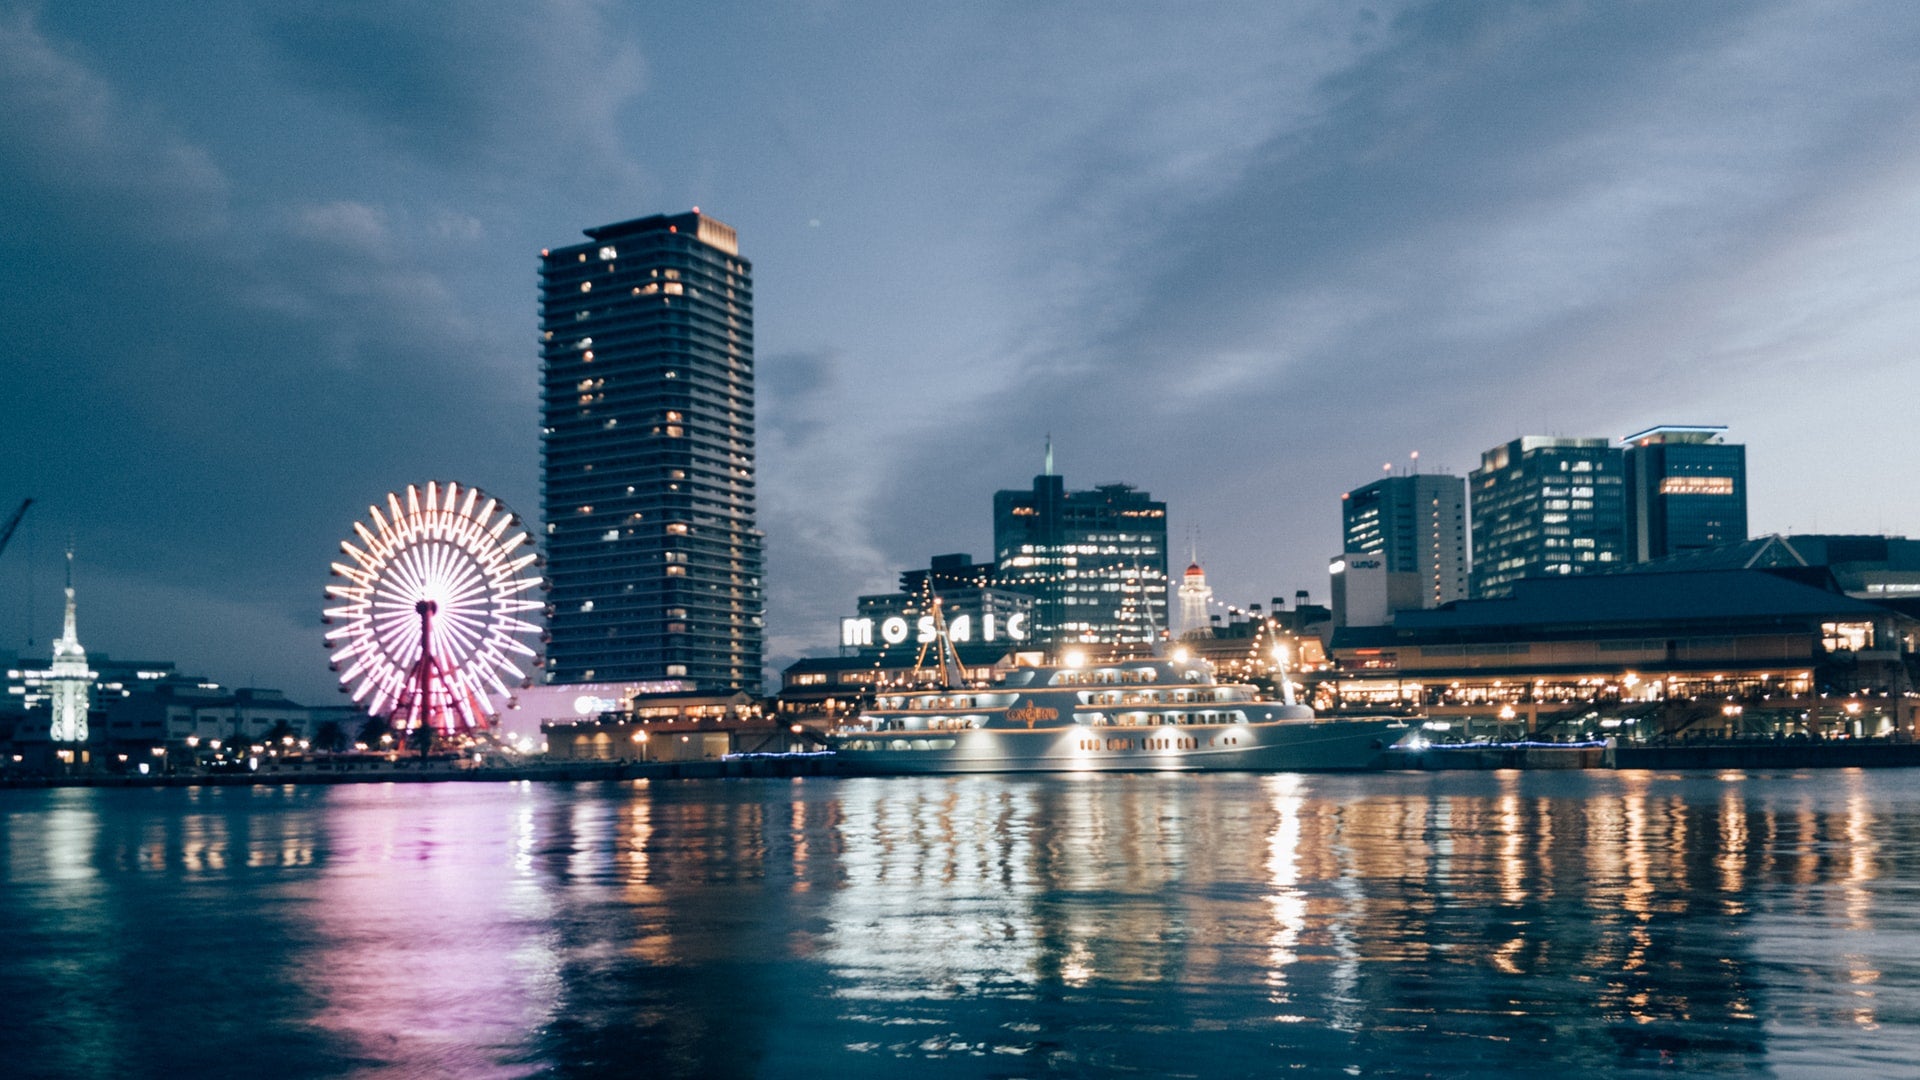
(432, 613)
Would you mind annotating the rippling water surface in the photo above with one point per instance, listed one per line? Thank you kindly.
(1228, 925)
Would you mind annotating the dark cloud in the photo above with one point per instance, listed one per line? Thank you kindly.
(484, 87)
(83, 157)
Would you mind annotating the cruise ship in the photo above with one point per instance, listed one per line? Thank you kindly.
(1122, 716)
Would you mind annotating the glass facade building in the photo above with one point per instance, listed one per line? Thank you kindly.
(1686, 490)
(1095, 562)
(1543, 506)
(1418, 525)
(647, 456)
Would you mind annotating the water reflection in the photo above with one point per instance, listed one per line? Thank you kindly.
(1453, 925)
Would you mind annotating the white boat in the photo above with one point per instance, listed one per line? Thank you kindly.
(1121, 716)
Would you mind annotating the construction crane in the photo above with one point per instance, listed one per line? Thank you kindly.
(13, 523)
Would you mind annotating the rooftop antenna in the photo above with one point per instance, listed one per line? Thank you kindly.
(1049, 468)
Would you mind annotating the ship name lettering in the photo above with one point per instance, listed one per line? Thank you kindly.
(1030, 713)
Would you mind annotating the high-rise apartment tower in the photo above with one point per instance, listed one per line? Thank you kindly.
(647, 455)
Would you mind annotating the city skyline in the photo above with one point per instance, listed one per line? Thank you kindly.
(265, 267)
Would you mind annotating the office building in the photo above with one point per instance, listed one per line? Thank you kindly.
(1546, 506)
(1415, 525)
(1686, 490)
(647, 455)
(1095, 562)
(1366, 593)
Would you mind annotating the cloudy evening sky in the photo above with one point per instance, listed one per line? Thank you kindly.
(262, 263)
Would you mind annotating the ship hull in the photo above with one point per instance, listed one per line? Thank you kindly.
(1347, 745)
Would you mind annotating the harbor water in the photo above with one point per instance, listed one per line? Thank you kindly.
(1374, 925)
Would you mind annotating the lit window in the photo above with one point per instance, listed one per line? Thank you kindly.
(1846, 636)
(609, 253)
(586, 286)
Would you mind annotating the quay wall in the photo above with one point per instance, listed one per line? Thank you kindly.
(405, 772)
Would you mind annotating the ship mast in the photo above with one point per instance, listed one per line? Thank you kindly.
(952, 673)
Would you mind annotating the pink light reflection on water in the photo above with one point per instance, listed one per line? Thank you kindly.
(434, 952)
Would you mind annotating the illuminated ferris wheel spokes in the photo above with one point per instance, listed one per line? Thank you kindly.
(430, 618)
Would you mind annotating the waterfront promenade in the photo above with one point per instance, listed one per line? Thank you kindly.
(1678, 755)
(412, 771)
